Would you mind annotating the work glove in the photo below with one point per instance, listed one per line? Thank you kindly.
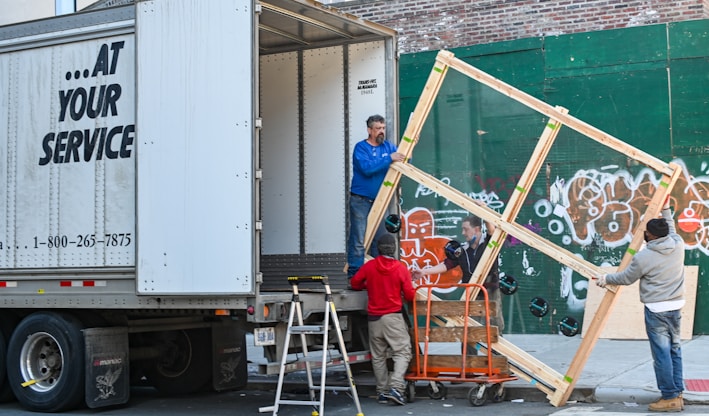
(601, 281)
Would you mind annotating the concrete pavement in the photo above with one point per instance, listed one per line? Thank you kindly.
(617, 371)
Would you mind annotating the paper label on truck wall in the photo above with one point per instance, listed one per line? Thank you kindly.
(68, 156)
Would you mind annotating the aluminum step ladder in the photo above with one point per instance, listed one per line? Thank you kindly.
(316, 392)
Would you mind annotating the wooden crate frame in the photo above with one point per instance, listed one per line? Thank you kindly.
(557, 387)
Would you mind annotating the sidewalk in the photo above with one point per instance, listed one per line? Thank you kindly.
(616, 372)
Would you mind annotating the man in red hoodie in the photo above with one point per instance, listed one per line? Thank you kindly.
(385, 278)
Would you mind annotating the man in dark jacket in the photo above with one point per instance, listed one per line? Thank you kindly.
(470, 255)
(386, 279)
(660, 270)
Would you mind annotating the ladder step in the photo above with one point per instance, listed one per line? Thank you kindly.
(301, 402)
(333, 388)
(307, 329)
(330, 358)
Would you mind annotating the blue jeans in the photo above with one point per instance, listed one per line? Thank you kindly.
(663, 333)
(359, 210)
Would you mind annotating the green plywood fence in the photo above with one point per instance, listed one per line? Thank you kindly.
(648, 86)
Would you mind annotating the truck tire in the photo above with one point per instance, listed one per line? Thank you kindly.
(185, 366)
(46, 356)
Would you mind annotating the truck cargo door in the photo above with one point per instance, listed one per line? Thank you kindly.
(194, 117)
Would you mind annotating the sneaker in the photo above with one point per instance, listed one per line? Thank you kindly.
(666, 405)
(396, 397)
(382, 398)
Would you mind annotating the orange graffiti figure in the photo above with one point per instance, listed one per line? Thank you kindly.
(421, 248)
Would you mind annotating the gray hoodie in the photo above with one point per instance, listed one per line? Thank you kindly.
(659, 267)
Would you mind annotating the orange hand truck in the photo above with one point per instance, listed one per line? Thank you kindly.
(452, 321)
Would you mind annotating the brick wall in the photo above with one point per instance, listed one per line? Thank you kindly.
(444, 24)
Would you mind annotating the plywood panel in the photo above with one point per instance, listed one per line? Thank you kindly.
(627, 320)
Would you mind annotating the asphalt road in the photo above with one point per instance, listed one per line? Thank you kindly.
(147, 402)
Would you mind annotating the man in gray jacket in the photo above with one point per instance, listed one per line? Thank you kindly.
(660, 269)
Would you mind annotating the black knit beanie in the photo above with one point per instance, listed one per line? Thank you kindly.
(658, 227)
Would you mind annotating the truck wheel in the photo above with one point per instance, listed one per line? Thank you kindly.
(45, 362)
(185, 365)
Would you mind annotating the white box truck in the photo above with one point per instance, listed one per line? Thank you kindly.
(165, 166)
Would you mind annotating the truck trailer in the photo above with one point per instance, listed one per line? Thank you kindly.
(166, 165)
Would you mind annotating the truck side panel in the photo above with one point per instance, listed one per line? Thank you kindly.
(195, 214)
(68, 149)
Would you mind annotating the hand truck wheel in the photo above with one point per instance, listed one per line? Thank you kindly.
(497, 393)
(410, 391)
(436, 390)
(477, 395)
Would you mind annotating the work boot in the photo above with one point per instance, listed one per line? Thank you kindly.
(666, 405)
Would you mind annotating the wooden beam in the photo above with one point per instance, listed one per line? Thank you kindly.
(514, 205)
(551, 112)
(520, 232)
(593, 332)
(406, 146)
(557, 387)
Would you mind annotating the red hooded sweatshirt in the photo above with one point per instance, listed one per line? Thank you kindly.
(385, 279)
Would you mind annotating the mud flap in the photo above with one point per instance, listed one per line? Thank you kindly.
(107, 378)
(229, 366)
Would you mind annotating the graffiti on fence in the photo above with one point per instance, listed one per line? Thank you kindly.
(595, 210)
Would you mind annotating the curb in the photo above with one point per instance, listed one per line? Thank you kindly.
(513, 391)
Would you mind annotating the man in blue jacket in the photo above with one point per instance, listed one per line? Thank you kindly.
(660, 270)
(370, 162)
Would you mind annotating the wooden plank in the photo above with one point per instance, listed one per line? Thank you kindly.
(599, 320)
(443, 308)
(477, 363)
(627, 320)
(514, 205)
(524, 365)
(406, 147)
(551, 112)
(520, 232)
(455, 334)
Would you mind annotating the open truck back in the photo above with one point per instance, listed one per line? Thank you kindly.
(165, 166)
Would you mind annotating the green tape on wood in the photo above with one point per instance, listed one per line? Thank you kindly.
(631, 251)
(568, 379)
(664, 184)
(553, 126)
(519, 188)
(437, 69)
(387, 183)
(493, 244)
(406, 139)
